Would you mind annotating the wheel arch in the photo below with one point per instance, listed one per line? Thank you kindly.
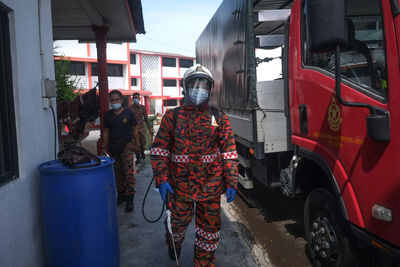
(314, 162)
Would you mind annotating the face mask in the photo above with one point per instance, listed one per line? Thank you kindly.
(197, 95)
(115, 106)
(136, 101)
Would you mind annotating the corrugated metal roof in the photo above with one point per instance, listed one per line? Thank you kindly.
(272, 4)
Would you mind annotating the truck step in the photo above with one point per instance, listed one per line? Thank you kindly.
(246, 182)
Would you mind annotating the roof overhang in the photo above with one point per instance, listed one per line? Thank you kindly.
(73, 19)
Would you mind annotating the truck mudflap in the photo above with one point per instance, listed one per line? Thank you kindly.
(374, 241)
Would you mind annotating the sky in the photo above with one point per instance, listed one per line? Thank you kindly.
(173, 26)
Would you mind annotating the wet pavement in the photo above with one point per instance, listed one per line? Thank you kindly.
(276, 223)
(142, 243)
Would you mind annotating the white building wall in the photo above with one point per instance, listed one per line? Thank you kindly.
(113, 82)
(137, 87)
(182, 71)
(171, 91)
(80, 81)
(20, 221)
(117, 52)
(170, 72)
(158, 106)
(70, 48)
(114, 51)
(135, 70)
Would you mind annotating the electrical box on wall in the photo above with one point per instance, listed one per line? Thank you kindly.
(50, 88)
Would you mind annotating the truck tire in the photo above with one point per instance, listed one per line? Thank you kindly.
(329, 239)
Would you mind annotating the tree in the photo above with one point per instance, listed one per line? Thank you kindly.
(66, 84)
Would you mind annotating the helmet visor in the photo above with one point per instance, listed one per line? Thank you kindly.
(199, 83)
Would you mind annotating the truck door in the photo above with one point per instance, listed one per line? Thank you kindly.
(366, 171)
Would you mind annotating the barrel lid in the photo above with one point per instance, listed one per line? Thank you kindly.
(58, 166)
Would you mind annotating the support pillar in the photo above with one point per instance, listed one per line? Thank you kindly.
(101, 45)
(147, 104)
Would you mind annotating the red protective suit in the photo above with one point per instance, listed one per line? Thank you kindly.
(195, 152)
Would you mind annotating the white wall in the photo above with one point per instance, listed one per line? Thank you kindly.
(71, 48)
(80, 81)
(158, 106)
(135, 70)
(113, 82)
(182, 71)
(20, 224)
(117, 51)
(137, 87)
(114, 51)
(170, 72)
(171, 91)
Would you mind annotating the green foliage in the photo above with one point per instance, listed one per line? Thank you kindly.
(66, 84)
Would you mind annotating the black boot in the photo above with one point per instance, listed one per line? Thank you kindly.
(120, 199)
(138, 160)
(129, 203)
(143, 155)
(171, 252)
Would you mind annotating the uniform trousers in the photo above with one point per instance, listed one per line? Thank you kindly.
(124, 170)
(142, 139)
(208, 224)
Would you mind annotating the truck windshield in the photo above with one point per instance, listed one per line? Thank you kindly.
(363, 61)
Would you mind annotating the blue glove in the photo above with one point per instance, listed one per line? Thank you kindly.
(163, 188)
(230, 194)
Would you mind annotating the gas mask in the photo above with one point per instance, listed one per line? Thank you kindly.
(198, 91)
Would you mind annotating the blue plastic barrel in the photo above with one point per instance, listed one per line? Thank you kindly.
(79, 214)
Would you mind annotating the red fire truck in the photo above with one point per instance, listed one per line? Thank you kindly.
(312, 90)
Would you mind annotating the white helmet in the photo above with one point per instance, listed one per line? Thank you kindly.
(197, 83)
(196, 71)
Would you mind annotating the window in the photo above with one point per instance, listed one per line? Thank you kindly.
(168, 62)
(363, 61)
(133, 59)
(185, 63)
(8, 142)
(76, 68)
(168, 82)
(133, 81)
(113, 70)
(171, 102)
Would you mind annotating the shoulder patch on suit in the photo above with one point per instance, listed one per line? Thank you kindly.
(213, 121)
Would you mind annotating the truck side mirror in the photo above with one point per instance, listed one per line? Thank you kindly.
(378, 125)
(327, 31)
(326, 24)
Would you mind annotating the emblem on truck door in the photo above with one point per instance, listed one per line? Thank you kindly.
(334, 116)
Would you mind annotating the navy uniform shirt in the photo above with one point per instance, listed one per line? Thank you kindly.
(120, 125)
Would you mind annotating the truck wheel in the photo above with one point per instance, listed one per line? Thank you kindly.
(329, 238)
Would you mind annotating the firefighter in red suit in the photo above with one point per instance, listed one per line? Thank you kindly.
(194, 158)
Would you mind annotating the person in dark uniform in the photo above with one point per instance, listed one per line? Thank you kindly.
(120, 135)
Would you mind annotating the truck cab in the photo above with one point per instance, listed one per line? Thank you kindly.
(311, 90)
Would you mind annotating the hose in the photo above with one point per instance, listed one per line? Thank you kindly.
(144, 201)
(55, 132)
